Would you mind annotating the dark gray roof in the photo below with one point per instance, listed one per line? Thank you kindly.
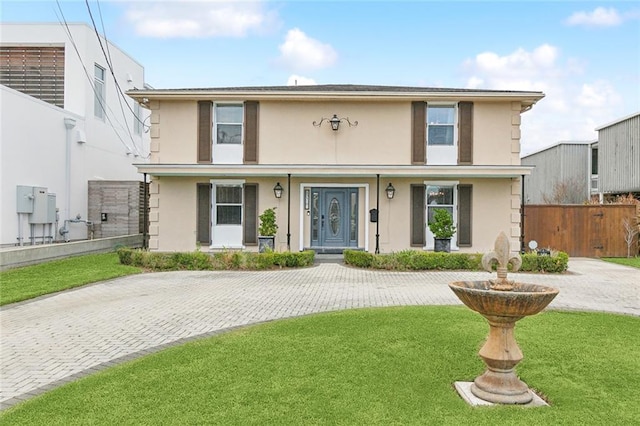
(355, 88)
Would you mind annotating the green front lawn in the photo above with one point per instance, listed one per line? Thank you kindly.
(629, 261)
(32, 281)
(361, 367)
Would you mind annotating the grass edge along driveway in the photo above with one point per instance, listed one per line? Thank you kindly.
(32, 281)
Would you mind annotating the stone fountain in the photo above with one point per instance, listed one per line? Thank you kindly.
(502, 303)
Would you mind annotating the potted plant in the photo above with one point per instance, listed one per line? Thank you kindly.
(267, 230)
(443, 229)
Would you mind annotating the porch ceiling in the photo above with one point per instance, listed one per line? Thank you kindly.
(351, 170)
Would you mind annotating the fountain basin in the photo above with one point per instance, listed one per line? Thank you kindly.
(521, 301)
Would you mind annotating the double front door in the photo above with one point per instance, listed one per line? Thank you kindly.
(334, 218)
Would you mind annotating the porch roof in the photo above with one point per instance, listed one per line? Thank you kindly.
(343, 170)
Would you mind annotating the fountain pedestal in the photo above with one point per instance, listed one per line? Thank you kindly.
(499, 384)
(502, 303)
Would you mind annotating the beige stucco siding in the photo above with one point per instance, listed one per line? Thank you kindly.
(495, 208)
(172, 214)
(382, 136)
(175, 140)
(496, 133)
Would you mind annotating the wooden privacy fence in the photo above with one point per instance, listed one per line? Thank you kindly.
(581, 230)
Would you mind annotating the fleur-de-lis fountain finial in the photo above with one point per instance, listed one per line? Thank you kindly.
(501, 254)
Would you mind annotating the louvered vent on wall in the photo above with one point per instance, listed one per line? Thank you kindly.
(36, 71)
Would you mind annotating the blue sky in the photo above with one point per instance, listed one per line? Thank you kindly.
(585, 56)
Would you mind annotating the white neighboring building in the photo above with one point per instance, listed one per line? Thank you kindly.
(57, 132)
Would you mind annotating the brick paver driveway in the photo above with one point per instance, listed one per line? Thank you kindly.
(56, 339)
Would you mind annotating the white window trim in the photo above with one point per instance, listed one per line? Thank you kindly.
(102, 94)
(225, 182)
(227, 153)
(442, 154)
(454, 184)
(215, 121)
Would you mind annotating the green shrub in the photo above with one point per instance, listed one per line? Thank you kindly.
(195, 261)
(557, 262)
(361, 259)
(228, 259)
(124, 255)
(424, 261)
(419, 260)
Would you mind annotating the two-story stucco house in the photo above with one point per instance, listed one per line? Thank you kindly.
(220, 156)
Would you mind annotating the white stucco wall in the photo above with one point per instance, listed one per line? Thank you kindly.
(33, 136)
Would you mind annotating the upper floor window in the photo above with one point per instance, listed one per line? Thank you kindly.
(440, 125)
(228, 123)
(99, 91)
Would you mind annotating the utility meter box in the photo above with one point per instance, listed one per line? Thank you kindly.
(24, 199)
(51, 208)
(40, 206)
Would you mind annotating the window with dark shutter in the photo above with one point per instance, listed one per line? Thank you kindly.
(418, 133)
(204, 131)
(465, 133)
(417, 216)
(251, 132)
(203, 213)
(250, 214)
(464, 215)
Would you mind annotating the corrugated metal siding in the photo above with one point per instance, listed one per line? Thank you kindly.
(567, 163)
(619, 157)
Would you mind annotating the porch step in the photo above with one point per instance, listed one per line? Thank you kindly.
(328, 258)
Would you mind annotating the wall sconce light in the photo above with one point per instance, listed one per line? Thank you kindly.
(335, 122)
(391, 191)
(277, 190)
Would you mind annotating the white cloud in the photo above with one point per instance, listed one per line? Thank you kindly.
(298, 80)
(600, 94)
(199, 19)
(301, 52)
(599, 17)
(572, 107)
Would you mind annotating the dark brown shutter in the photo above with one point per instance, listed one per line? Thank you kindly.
(464, 215)
(203, 213)
(204, 131)
(251, 132)
(418, 133)
(417, 215)
(465, 132)
(250, 219)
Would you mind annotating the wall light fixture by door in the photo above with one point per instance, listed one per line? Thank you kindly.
(391, 191)
(335, 122)
(277, 190)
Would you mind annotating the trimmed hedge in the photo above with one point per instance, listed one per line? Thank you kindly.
(556, 262)
(226, 260)
(416, 260)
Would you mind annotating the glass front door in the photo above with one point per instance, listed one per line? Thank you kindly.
(334, 218)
